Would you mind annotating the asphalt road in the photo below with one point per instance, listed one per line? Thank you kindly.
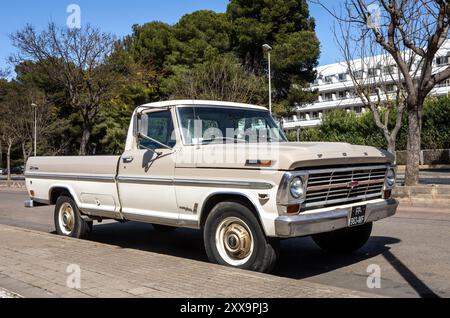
(411, 249)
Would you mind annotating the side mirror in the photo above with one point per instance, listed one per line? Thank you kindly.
(140, 124)
(136, 125)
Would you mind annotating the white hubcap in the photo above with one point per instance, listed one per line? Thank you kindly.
(234, 241)
(66, 219)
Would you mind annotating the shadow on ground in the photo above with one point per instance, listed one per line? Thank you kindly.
(300, 258)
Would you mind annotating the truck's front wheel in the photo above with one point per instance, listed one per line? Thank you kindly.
(68, 220)
(233, 237)
(345, 240)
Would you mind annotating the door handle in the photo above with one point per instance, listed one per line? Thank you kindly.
(128, 159)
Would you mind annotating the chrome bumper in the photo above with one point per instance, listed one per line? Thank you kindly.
(320, 222)
(28, 203)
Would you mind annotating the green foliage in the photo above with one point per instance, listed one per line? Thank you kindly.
(221, 78)
(436, 123)
(338, 125)
(288, 28)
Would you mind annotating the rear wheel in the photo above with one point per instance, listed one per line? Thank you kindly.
(234, 237)
(68, 220)
(345, 240)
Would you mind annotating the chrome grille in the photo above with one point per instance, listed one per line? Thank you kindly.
(344, 185)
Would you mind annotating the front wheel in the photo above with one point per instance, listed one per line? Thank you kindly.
(233, 237)
(346, 240)
(68, 220)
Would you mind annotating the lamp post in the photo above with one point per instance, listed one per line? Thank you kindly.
(267, 48)
(34, 106)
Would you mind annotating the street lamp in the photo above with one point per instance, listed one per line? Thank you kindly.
(34, 106)
(267, 48)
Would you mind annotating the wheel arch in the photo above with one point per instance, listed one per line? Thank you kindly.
(217, 197)
(56, 191)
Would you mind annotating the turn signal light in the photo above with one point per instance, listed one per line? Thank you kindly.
(387, 194)
(293, 209)
(31, 193)
(260, 163)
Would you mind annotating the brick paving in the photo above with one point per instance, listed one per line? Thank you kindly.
(34, 264)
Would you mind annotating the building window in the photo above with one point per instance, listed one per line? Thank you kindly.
(328, 96)
(372, 72)
(342, 77)
(328, 79)
(444, 84)
(390, 69)
(390, 88)
(314, 115)
(358, 74)
(342, 94)
(442, 60)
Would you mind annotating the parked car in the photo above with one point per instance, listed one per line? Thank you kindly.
(245, 191)
(14, 170)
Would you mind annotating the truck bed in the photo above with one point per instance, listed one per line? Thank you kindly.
(91, 180)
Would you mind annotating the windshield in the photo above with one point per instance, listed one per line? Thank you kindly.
(204, 125)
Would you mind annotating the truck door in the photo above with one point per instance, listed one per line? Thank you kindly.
(145, 176)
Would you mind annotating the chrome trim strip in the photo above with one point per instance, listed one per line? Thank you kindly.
(160, 181)
(141, 180)
(375, 167)
(344, 200)
(344, 185)
(197, 183)
(58, 176)
(226, 184)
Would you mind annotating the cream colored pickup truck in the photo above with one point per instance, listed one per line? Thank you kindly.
(228, 170)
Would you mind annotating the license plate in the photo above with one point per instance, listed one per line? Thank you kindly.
(358, 216)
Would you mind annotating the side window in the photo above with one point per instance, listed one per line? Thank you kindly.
(160, 128)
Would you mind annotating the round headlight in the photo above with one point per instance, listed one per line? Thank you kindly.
(297, 189)
(390, 178)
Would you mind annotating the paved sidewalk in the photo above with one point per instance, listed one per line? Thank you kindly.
(34, 264)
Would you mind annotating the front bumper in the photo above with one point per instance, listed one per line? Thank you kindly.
(321, 222)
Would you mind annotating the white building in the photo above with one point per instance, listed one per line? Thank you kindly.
(336, 89)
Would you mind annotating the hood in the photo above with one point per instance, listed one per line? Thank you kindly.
(285, 156)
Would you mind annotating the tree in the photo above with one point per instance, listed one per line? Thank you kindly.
(376, 80)
(222, 78)
(288, 28)
(7, 120)
(405, 28)
(76, 60)
(199, 36)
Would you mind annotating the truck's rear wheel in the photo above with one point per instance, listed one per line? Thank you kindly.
(233, 237)
(68, 220)
(345, 240)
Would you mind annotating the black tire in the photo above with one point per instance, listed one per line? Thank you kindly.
(264, 255)
(80, 228)
(345, 240)
(163, 228)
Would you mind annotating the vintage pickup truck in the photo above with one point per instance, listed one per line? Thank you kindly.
(226, 169)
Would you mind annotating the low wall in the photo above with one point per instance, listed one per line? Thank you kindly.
(429, 194)
(13, 184)
(427, 157)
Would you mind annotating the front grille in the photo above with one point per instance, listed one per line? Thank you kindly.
(344, 185)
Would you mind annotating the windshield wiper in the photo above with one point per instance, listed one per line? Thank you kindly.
(223, 138)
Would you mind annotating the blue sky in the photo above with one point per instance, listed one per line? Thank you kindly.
(117, 16)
